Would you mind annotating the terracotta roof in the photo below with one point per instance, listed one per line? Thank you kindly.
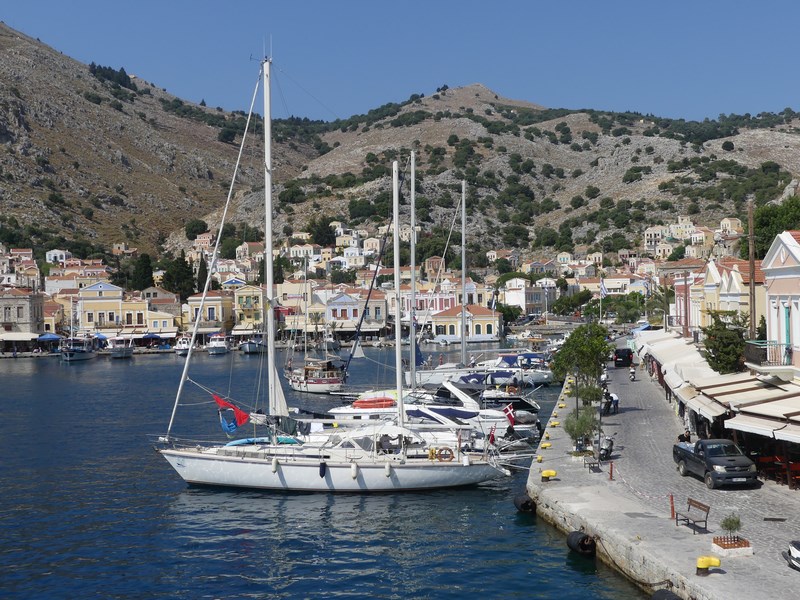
(795, 235)
(475, 309)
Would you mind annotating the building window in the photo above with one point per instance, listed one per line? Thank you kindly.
(212, 313)
(139, 319)
(89, 317)
(20, 312)
(129, 318)
(477, 329)
(452, 329)
(355, 313)
(377, 312)
(488, 329)
(111, 318)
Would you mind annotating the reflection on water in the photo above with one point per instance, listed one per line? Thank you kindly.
(90, 509)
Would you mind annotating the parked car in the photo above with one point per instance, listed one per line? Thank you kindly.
(623, 357)
(718, 462)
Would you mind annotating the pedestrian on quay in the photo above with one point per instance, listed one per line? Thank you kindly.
(615, 403)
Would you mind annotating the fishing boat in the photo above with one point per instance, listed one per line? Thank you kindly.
(255, 344)
(379, 457)
(75, 349)
(316, 376)
(217, 344)
(183, 344)
(120, 347)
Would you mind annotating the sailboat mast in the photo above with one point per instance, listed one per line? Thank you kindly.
(412, 362)
(398, 310)
(463, 271)
(268, 267)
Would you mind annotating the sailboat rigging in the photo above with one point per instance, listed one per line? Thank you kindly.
(375, 458)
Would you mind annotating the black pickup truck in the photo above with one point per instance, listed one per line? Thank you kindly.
(718, 462)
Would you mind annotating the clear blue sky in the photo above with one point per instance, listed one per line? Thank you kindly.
(687, 59)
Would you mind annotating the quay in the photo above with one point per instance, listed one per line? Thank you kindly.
(629, 512)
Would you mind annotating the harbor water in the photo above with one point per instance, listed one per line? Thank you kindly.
(90, 510)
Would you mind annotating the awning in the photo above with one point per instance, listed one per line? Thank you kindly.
(673, 380)
(645, 341)
(790, 433)
(18, 336)
(705, 407)
(783, 408)
(752, 424)
(721, 380)
(685, 393)
(670, 350)
(693, 370)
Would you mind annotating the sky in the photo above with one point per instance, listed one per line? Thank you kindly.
(690, 59)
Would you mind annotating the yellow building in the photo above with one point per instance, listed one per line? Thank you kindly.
(217, 312)
(249, 309)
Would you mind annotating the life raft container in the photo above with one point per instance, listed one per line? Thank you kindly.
(374, 403)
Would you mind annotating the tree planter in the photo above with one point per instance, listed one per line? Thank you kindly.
(731, 545)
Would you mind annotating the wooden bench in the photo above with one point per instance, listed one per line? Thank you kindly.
(694, 517)
(591, 461)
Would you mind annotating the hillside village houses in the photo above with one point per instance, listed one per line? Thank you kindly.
(79, 297)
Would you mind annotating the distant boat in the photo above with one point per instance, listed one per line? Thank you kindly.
(182, 345)
(120, 347)
(254, 345)
(75, 349)
(217, 344)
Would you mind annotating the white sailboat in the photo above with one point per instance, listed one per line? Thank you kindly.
(377, 458)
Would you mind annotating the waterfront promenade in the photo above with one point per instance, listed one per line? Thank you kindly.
(630, 515)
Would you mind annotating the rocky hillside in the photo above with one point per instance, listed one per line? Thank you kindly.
(98, 161)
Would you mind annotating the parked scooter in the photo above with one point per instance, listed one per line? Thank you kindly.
(606, 447)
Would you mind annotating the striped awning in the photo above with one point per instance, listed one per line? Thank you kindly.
(17, 336)
(751, 424)
(705, 407)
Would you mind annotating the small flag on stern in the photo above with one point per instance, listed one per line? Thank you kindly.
(509, 411)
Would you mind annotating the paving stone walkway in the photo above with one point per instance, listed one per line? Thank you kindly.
(635, 505)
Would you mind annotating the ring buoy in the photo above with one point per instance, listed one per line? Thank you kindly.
(445, 455)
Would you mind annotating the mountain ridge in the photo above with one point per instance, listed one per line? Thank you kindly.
(89, 160)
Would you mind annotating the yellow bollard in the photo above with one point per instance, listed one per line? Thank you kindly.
(546, 475)
(538, 458)
(547, 436)
(704, 562)
(546, 445)
(562, 405)
(555, 414)
(555, 423)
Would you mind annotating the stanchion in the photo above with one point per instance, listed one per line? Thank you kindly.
(611, 470)
(671, 507)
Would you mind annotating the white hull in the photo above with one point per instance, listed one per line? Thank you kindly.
(253, 347)
(315, 386)
(124, 352)
(214, 350)
(77, 355)
(294, 471)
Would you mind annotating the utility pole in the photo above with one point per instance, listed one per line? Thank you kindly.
(686, 304)
(752, 257)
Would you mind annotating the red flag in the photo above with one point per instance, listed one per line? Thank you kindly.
(241, 416)
(491, 434)
(509, 410)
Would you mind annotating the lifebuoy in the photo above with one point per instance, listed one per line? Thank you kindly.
(445, 455)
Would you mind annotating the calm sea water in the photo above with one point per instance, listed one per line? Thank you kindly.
(88, 509)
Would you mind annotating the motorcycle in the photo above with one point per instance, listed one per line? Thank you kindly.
(632, 374)
(606, 448)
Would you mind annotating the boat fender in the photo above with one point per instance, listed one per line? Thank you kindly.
(275, 465)
(323, 468)
(354, 470)
(445, 455)
(524, 503)
(387, 468)
(465, 460)
(581, 543)
(431, 453)
(664, 595)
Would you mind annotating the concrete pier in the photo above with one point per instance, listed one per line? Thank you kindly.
(630, 514)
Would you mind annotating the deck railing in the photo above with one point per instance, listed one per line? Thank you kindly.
(768, 353)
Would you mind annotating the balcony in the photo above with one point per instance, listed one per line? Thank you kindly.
(769, 357)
